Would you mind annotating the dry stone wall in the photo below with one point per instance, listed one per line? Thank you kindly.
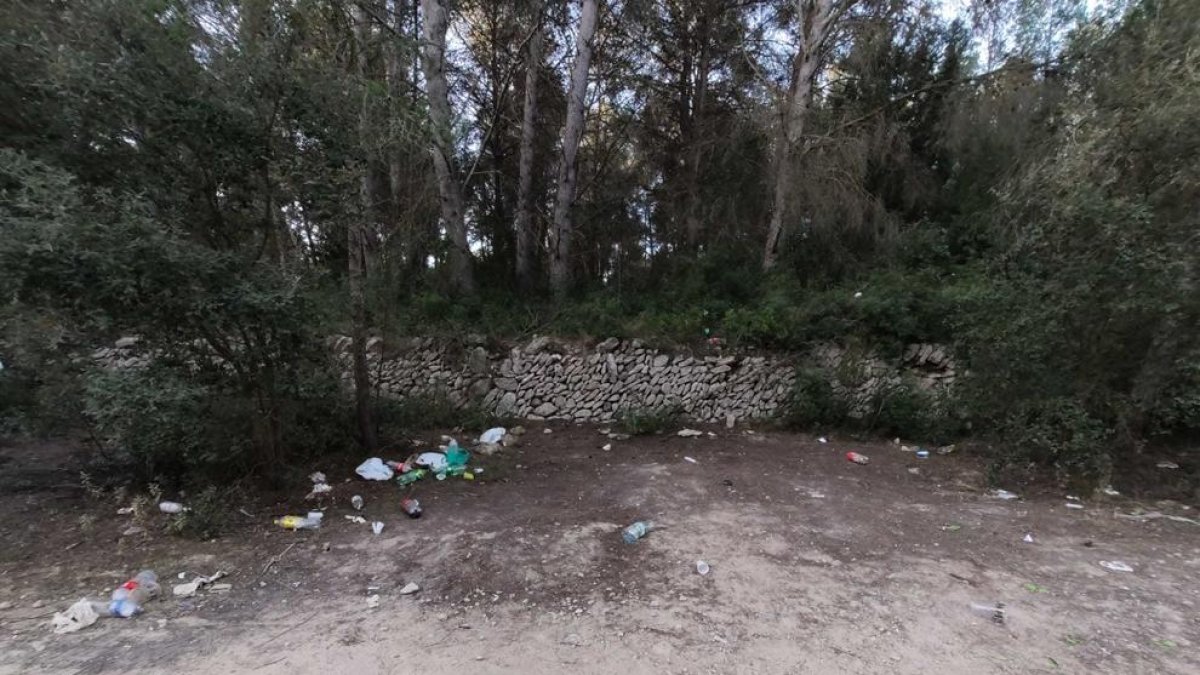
(548, 379)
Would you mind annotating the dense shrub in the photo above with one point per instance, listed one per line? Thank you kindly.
(647, 421)
(813, 403)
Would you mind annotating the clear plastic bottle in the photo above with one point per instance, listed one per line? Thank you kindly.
(635, 531)
(130, 596)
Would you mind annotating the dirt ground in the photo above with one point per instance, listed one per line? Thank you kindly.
(818, 566)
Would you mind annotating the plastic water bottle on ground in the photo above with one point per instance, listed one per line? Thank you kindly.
(635, 531)
(131, 596)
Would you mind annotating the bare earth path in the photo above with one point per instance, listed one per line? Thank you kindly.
(818, 566)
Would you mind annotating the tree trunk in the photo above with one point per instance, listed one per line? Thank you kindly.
(433, 51)
(815, 24)
(524, 220)
(356, 246)
(695, 135)
(561, 229)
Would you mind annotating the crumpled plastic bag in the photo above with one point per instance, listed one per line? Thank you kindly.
(77, 617)
(434, 461)
(374, 469)
(493, 435)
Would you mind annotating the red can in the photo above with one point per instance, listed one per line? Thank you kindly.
(857, 458)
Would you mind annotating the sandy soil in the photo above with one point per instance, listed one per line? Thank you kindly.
(818, 566)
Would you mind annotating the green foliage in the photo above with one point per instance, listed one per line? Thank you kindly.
(400, 419)
(1058, 434)
(648, 421)
(814, 403)
(208, 513)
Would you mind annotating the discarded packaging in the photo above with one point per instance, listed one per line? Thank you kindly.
(1028, 538)
(355, 519)
(547, 430)
(320, 487)
(1108, 490)
(993, 613)
(922, 454)
(372, 601)
(946, 449)
(411, 477)
(1167, 465)
(189, 589)
(822, 439)
(702, 568)
(357, 502)
(377, 526)
(412, 507)
(310, 522)
(1003, 494)
(456, 456)
(1116, 566)
(434, 461)
(857, 458)
(493, 435)
(606, 447)
(689, 433)
(171, 507)
(130, 596)
(635, 531)
(374, 469)
(1074, 505)
(409, 589)
(77, 617)
(689, 460)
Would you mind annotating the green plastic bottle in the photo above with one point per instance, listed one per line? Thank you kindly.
(412, 476)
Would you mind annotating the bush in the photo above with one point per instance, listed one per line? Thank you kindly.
(1058, 435)
(208, 513)
(814, 403)
(647, 421)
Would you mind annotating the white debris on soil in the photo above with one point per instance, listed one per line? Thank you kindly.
(409, 589)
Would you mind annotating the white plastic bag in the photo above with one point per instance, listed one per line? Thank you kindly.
(374, 469)
(493, 435)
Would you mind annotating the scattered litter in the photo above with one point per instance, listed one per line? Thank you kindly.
(711, 435)
(129, 597)
(952, 527)
(1003, 494)
(922, 454)
(493, 435)
(896, 441)
(822, 439)
(409, 477)
(221, 588)
(857, 458)
(357, 502)
(171, 507)
(858, 294)
(993, 612)
(946, 449)
(377, 526)
(547, 430)
(320, 487)
(730, 421)
(189, 589)
(372, 601)
(455, 455)
(409, 588)
(434, 461)
(411, 507)
(1116, 566)
(635, 531)
(618, 437)
(689, 433)
(702, 568)
(133, 530)
(690, 460)
(907, 448)
(374, 469)
(606, 447)
(1034, 588)
(1028, 538)
(1073, 498)
(355, 519)
(914, 470)
(1108, 490)
(310, 522)
(77, 617)
(125, 511)
(1154, 515)
(1167, 465)
(1073, 505)
(181, 575)
(813, 494)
